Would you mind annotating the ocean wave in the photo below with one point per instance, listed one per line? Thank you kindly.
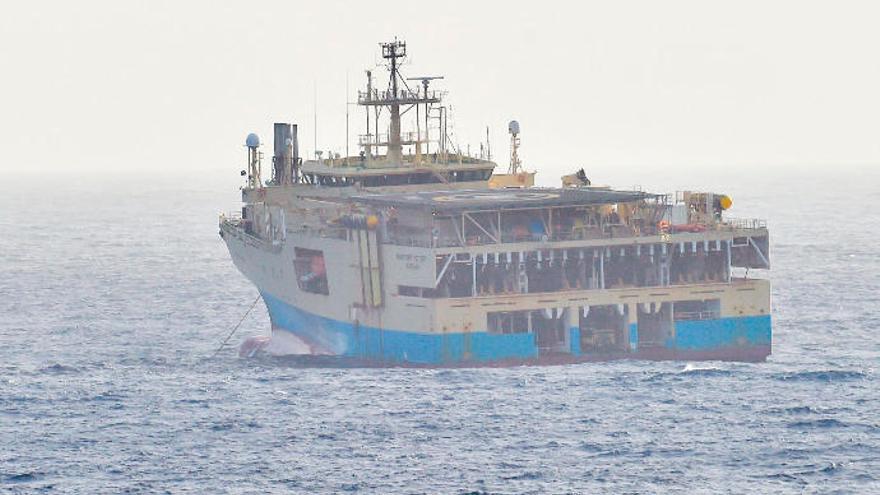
(694, 369)
(26, 477)
(819, 423)
(805, 410)
(528, 475)
(690, 370)
(822, 376)
(59, 368)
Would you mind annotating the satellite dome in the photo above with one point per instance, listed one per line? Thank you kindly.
(513, 127)
(252, 141)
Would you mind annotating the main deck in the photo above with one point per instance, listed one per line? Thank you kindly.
(478, 277)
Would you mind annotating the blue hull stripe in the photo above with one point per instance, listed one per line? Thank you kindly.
(702, 335)
(347, 339)
(363, 342)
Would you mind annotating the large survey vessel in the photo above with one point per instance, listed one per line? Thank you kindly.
(413, 252)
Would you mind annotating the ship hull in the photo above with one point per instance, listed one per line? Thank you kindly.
(745, 339)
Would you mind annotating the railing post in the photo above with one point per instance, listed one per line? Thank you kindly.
(474, 277)
(727, 255)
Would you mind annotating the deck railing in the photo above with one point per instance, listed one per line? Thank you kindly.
(744, 223)
(617, 231)
(232, 226)
(577, 234)
(233, 216)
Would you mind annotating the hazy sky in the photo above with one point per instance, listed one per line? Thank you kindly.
(131, 86)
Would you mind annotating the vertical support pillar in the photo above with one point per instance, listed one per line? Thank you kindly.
(594, 284)
(375, 268)
(602, 269)
(573, 330)
(632, 325)
(665, 265)
(464, 239)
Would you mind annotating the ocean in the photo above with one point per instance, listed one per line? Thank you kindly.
(115, 292)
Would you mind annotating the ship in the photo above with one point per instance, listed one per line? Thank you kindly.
(414, 252)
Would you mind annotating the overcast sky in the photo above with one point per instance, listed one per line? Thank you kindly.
(132, 86)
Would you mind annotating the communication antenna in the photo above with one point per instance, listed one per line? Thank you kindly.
(515, 163)
(347, 104)
(488, 146)
(315, 113)
(254, 157)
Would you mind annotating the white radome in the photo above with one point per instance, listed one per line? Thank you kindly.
(252, 141)
(513, 127)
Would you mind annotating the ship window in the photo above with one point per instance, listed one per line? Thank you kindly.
(506, 322)
(696, 310)
(410, 291)
(311, 272)
(406, 290)
(400, 179)
(333, 181)
(470, 175)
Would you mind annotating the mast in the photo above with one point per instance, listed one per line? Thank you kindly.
(392, 51)
(398, 95)
(367, 147)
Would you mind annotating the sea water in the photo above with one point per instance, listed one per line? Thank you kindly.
(116, 290)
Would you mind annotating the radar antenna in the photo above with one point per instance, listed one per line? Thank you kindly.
(515, 163)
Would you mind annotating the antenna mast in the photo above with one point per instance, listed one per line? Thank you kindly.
(315, 114)
(393, 98)
(488, 146)
(369, 138)
(426, 81)
(393, 51)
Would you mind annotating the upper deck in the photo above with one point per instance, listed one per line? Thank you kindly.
(539, 219)
(450, 202)
(465, 218)
(372, 172)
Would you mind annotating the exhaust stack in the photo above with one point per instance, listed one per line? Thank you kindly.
(285, 161)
